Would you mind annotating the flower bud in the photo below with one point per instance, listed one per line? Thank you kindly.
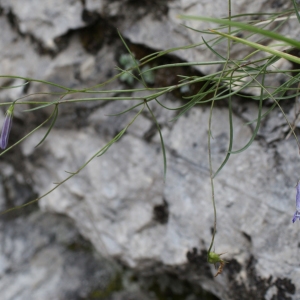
(6, 127)
(297, 213)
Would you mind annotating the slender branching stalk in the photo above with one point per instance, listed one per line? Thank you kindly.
(232, 79)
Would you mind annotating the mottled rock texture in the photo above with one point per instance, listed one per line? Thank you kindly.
(120, 202)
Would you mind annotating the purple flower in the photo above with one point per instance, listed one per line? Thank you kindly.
(6, 127)
(297, 213)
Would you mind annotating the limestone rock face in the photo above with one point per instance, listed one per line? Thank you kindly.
(120, 201)
(44, 257)
(46, 20)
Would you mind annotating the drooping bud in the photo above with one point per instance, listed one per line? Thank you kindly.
(297, 213)
(6, 127)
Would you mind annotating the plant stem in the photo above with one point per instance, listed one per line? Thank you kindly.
(209, 137)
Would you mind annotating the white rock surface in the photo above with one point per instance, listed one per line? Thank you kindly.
(119, 201)
(112, 200)
(46, 20)
(43, 257)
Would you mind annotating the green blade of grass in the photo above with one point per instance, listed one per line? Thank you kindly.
(14, 86)
(161, 140)
(296, 10)
(54, 114)
(126, 110)
(27, 135)
(72, 174)
(251, 28)
(262, 48)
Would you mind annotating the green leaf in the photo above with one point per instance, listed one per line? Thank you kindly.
(267, 33)
(54, 114)
(161, 140)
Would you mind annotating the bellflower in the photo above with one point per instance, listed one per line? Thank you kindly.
(6, 127)
(297, 213)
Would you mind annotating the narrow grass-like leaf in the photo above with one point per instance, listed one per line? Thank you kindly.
(128, 72)
(273, 15)
(296, 10)
(271, 61)
(161, 140)
(197, 98)
(126, 110)
(170, 108)
(14, 86)
(42, 81)
(251, 28)
(27, 135)
(262, 48)
(120, 134)
(282, 89)
(72, 174)
(230, 138)
(55, 114)
(213, 51)
(188, 64)
(39, 107)
(133, 58)
(257, 124)
(158, 54)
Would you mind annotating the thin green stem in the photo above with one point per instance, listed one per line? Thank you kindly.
(72, 174)
(209, 139)
(30, 133)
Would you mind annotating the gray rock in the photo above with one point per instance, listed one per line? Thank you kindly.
(144, 30)
(44, 257)
(46, 20)
(119, 201)
(17, 55)
(247, 192)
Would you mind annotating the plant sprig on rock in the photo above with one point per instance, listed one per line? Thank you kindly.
(235, 76)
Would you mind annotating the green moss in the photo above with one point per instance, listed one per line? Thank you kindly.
(114, 286)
